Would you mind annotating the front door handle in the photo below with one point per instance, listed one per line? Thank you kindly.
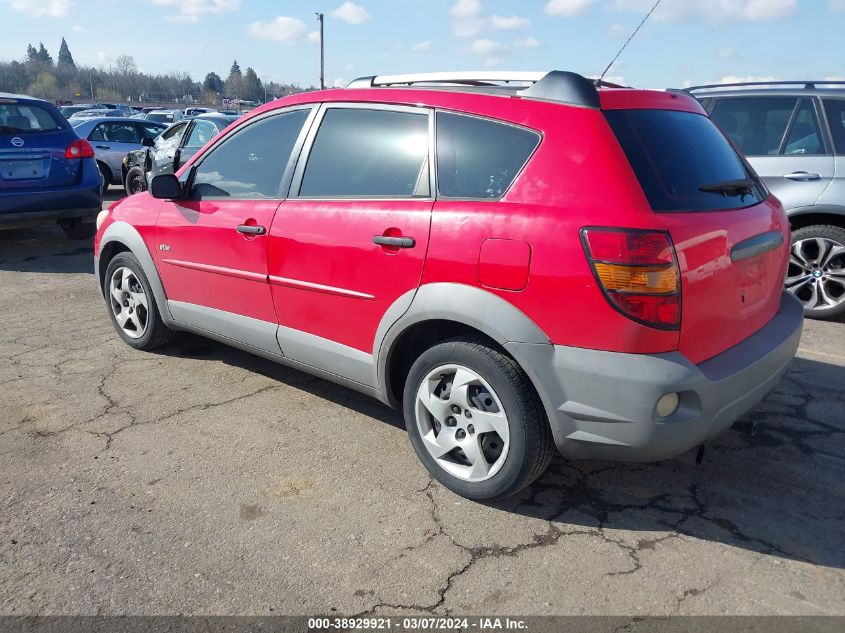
(802, 176)
(395, 242)
(103, 146)
(251, 229)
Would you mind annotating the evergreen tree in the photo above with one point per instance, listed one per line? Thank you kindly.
(234, 83)
(235, 69)
(213, 83)
(65, 58)
(44, 55)
(252, 88)
(31, 54)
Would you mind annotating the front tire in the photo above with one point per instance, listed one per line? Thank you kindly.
(135, 181)
(816, 273)
(475, 420)
(132, 306)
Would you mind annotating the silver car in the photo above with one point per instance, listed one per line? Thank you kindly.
(793, 134)
(112, 138)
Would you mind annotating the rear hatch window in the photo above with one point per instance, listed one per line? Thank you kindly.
(27, 118)
(683, 162)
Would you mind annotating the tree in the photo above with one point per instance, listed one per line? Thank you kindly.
(125, 65)
(252, 89)
(65, 58)
(44, 55)
(213, 83)
(31, 54)
(235, 69)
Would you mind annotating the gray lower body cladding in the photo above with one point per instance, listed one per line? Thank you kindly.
(602, 405)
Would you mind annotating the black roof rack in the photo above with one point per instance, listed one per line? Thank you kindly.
(557, 85)
(808, 85)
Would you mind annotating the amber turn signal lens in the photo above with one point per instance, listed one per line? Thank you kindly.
(637, 279)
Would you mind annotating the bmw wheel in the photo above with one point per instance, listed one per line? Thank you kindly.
(816, 274)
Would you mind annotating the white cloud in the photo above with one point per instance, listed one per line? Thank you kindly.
(713, 11)
(526, 42)
(567, 8)
(467, 18)
(103, 57)
(351, 13)
(78, 28)
(283, 29)
(421, 46)
(193, 10)
(339, 82)
(617, 29)
(485, 47)
(837, 5)
(43, 9)
(503, 23)
(492, 62)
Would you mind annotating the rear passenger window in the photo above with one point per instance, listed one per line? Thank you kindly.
(804, 137)
(478, 158)
(251, 162)
(368, 153)
(835, 109)
(756, 125)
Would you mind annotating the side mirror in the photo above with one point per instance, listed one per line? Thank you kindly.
(147, 142)
(166, 187)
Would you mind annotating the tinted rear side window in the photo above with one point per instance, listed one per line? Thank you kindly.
(26, 118)
(835, 109)
(675, 154)
(478, 158)
(368, 153)
(756, 125)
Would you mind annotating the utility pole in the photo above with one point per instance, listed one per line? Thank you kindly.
(322, 54)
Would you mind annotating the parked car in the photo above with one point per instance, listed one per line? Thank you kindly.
(165, 116)
(92, 114)
(112, 139)
(170, 150)
(190, 112)
(47, 173)
(515, 273)
(69, 110)
(793, 134)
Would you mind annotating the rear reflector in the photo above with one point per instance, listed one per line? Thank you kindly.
(638, 273)
(80, 148)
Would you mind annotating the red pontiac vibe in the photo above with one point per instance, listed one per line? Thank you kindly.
(521, 261)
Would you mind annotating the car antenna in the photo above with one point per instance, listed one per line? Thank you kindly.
(625, 45)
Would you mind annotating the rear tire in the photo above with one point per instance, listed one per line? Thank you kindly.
(135, 181)
(506, 426)
(76, 229)
(816, 274)
(132, 306)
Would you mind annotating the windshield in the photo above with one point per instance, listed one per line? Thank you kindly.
(683, 161)
(27, 118)
(159, 117)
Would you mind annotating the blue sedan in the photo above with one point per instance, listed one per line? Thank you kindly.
(47, 173)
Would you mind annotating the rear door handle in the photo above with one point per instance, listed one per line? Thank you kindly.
(250, 229)
(395, 242)
(103, 146)
(802, 176)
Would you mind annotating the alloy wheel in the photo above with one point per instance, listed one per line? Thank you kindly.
(128, 302)
(462, 423)
(816, 274)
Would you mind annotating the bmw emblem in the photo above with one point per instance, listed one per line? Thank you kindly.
(17, 141)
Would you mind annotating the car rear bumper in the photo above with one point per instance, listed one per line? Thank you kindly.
(602, 405)
(34, 218)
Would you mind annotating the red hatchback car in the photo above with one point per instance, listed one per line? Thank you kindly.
(520, 261)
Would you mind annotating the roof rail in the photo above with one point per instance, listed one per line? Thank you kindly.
(808, 85)
(556, 85)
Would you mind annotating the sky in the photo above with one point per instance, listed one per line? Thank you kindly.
(686, 42)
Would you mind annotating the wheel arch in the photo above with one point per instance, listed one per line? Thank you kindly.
(817, 215)
(439, 311)
(121, 237)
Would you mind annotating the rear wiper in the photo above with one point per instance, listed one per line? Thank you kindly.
(5, 129)
(730, 187)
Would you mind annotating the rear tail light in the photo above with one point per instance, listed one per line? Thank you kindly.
(80, 148)
(638, 272)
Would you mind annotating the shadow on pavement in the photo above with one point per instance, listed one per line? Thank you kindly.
(771, 484)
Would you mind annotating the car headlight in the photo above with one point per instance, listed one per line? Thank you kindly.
(101, 217)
